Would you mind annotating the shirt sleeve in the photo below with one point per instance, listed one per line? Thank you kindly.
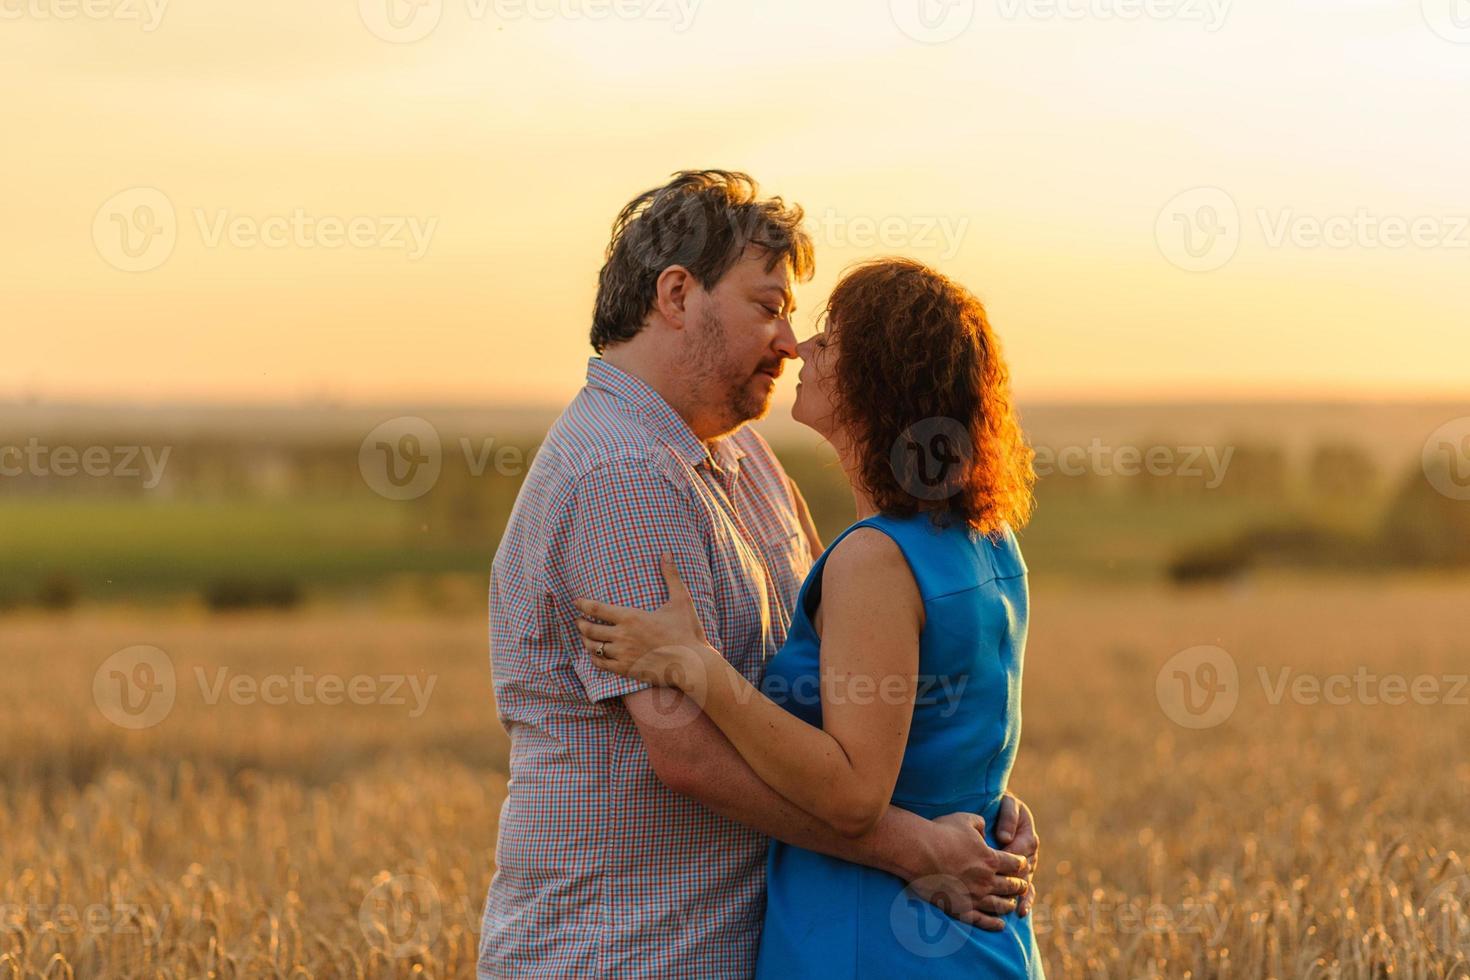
(624, 517)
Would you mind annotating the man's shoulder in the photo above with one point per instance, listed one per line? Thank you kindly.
(594, 458)
(592, 438)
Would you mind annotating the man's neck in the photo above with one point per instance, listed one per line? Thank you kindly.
(648, 367)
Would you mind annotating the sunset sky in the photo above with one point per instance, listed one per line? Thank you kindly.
(279, 200)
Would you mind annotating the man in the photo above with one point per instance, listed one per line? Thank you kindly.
(633, 835)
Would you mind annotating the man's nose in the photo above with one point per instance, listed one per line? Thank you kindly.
(786, 344)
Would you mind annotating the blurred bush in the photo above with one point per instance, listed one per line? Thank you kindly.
(1209, 563)
(58, 591)
(1425, 528)
(232, 594)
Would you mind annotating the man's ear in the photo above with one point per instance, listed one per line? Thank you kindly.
(672, 294)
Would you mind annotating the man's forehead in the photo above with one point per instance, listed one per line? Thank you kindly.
(759, 270)
(778, 278)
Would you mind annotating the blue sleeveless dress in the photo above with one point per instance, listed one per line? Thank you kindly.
(828, 918)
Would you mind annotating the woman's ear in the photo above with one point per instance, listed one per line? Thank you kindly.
(672, 294)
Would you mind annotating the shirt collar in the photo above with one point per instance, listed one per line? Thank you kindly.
(666, 423)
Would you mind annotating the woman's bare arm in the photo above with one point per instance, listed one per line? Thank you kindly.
(844, 772)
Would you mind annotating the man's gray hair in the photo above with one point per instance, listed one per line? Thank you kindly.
(703, 220)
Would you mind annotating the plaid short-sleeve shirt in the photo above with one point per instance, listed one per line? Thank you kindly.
(601, 870)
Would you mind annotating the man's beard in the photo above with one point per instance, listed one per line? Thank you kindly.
(725, 386)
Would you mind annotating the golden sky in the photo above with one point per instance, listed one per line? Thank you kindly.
(408, 199)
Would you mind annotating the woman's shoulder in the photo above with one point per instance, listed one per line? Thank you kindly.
(867, 564)
(946, 558)
(864, 547)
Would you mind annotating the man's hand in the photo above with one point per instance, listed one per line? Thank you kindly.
(1015, 831)
(965, 877)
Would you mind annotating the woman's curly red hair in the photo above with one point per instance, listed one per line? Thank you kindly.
(916, 357)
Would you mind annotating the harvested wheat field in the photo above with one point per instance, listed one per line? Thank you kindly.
(1268, 781)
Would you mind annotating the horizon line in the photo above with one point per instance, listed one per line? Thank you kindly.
(1041, 399)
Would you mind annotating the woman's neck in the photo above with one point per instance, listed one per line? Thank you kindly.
(862, 500)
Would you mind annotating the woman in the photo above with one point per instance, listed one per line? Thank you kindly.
(900, 680)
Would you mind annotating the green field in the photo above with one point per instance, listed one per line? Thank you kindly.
(323, 532)
(131, 549)
(116, 549)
